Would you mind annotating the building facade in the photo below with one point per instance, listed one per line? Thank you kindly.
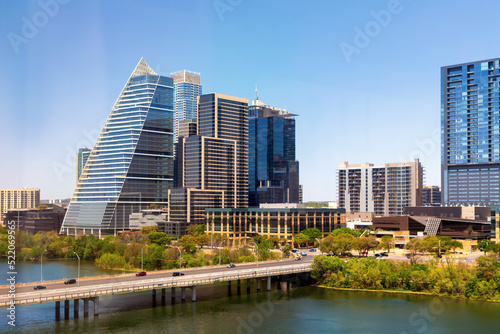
(18, 199)
(384, 191)
(217, 157)
(187, 88)
(273, 173)
(470, 130)
(241, 225)
(81, 160)
(431, 196)
(37, 220)
(131, 164)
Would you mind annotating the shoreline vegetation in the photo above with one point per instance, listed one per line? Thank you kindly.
(148, 248)
(460, 281)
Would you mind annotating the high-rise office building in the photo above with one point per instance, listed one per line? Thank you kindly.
(273, 173)
(187, 88)
(431, 196)
(27, 198)
(81, 160)
(470, 133)
(217, 158)
(131, 164)
(382, 190)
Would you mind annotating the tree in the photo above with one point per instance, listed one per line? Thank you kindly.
(159, 238)
(195, 229)
(148, 229)
(312, 233)
(470, 230)
(286, 249)
(367, 243)
(344, 230)
(301, 238)
(485, 245)
(343, 243)
(413, 246)
(387, 242)
(430, 244)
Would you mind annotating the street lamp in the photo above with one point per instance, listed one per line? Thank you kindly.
(319, 242)
(220, 249)
(257, 248)
(41, 266)
(78, 268)
(142, 259)
(439, 251)
(180, 259)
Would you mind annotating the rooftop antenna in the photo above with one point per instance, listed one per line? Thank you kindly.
(256, 93)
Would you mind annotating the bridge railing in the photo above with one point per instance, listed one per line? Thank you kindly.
(90, 292)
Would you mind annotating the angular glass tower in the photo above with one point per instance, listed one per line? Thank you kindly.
(131, 164)
(470, 133)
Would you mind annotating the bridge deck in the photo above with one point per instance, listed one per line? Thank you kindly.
(47, 296)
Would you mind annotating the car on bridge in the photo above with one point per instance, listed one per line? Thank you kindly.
(141, 273)
(231, 265)
(70, 281)
(39, 287)
(298, 258)
(177, 273)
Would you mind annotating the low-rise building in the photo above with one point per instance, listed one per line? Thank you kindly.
(37, 220)
(241, 225)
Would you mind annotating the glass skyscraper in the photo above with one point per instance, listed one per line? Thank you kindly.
(81, 160)
(187, 88)
(470, 133)
(131, 164)
(273, 173)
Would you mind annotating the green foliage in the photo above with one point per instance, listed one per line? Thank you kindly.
(301, 239)
(149, 229)
(345, 230)
(312, 233)
(316, 204)
(387, 242)
(159, 238)
(42, 207)
(112, 261)
(367, 243)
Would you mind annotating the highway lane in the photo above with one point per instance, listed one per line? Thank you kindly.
(153, 275)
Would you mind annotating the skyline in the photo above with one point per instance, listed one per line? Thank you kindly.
(64, 78)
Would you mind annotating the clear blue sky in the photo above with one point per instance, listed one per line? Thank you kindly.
(378, 104)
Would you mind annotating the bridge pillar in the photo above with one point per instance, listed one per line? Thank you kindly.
(163, 294)
(172, 293)
(183, 294)
(238, 284)
(58, 310)
(76, 310)
(229, 284)
(258, 283)
(96, 306)
(153, 294)
(268, 283)
(193, 297)
(248, 285)
(85, 307)
(66, 309)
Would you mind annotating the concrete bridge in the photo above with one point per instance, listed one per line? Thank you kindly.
(91, 289)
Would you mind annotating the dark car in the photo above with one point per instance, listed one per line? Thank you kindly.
(297, 258)
(378, 255)
(70, 281)
(312, 250)
(177, 273)
(384, 254)
(231, 265)
(39, 287)
(142, 273)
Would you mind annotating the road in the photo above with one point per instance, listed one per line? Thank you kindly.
(151, 277)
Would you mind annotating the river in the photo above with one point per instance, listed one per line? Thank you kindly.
(305, 309)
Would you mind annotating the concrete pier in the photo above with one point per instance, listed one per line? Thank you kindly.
(66, 309)
(58, 310)
(183, 294)
(268, 283)
(76, 311)
(172, 293)
(193, 297)
(248, 285)
(163, 295)
(153, 295)
(96, 306)
(85, 307)
(258, 284)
